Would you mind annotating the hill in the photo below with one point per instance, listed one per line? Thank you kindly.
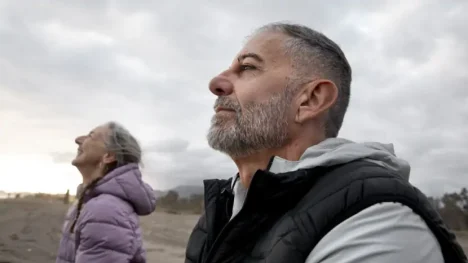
(184, 191)
(188, 190)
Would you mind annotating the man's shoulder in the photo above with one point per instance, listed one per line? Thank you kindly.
(346, 190)
(381, 233)
(363, 169)
(362, 180)
(354, 193)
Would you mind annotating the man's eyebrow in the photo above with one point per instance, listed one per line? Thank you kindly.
(249, 55)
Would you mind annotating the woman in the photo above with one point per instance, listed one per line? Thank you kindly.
(103, 226)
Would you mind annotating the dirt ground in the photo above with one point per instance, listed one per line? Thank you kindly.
(30, 232)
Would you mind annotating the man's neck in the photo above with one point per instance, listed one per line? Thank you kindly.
(248, 165)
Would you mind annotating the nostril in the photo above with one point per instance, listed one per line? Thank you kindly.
(79, 140)
(220, 86)
(219, 91)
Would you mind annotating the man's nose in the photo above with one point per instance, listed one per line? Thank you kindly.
(221, 86)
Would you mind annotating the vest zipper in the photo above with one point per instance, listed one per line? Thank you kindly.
(223, 231)
(236, 217)
(216, 242)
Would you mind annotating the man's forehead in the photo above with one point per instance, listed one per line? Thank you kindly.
(268, 46)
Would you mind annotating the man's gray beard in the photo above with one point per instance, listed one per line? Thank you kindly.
(257, 127)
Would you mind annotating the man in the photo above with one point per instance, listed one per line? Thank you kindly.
(302, 194)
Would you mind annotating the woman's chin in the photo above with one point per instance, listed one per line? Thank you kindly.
(76, 161)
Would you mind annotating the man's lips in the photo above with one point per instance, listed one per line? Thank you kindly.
(218, 109)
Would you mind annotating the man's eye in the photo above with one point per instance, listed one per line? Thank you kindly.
(247, 67)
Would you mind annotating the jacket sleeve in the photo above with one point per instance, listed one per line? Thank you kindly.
(384, 233)
(106, 235)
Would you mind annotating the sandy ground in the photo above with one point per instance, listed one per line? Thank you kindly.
(30, 232)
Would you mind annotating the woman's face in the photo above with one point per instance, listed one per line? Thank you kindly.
(91, 148)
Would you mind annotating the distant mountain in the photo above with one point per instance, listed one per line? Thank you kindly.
(159, 193)
(188, 190)
(184, 191)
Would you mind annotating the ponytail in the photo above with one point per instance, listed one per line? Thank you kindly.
(87, 188)
(107, 169)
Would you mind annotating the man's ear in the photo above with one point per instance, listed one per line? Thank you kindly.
(108, 158)
(315, 98)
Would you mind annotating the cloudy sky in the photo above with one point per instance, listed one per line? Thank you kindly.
(68, 66)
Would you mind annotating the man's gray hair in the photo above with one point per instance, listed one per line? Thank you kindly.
(316, 56)
(122, 143)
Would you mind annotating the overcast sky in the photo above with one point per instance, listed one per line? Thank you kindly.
(68, 66)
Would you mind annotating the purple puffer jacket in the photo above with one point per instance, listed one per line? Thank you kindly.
(108, 227)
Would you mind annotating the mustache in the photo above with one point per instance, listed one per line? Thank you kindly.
(227, 103)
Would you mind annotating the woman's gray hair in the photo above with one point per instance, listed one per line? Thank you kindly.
(126, 150)
(122, 143)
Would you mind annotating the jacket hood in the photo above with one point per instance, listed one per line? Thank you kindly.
(126, 183)
(333, 151)
(336, 151)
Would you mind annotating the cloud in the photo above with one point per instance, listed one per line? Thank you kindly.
(67, 67)
(188, 167)
(62, 157)
(169, 146)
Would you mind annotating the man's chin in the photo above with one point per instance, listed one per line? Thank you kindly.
(223, 119)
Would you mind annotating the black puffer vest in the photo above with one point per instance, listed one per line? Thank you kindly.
(280, 208)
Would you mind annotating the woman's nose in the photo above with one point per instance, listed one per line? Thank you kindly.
(79, 140)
